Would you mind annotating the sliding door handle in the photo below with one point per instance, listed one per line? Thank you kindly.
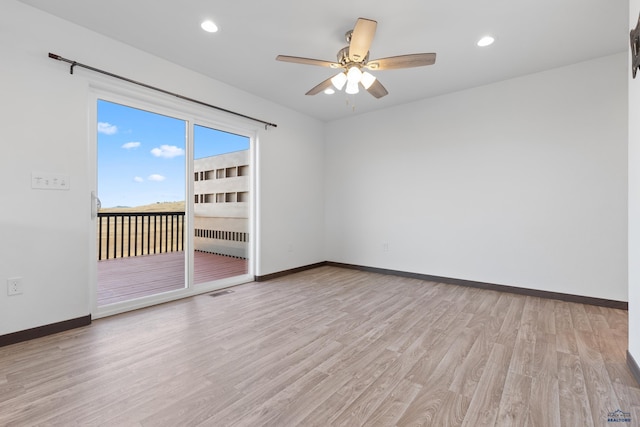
(95, 205)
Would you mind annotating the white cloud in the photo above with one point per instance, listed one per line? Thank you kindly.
(167, 151)
(107, 128)
(156, 177)
(138, 179)
(132, 144)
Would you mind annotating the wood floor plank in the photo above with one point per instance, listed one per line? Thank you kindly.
(424, 367)
(510, 325)
(391, 409)
(403, 340)
(563, 318)
(423, 409)
(544, 403)
(272, 407)
(546, 322)
(501, 307)
(468, 375)
(617, 319)
(514, 405)
(598, 323)
(579, 317)
(529, 321)
(601, 395)
(302, 405)
(522, 357)
(566, 342)
(452, 411)
(545, 359)
(572, 392)
(485, 403)
(330, 346)
(367, 402)
(361, 379)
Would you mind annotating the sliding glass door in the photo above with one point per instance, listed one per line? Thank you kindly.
(141, 186)
(150, 244)
(221, 208)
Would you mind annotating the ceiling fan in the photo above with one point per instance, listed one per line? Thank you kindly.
(353, 58)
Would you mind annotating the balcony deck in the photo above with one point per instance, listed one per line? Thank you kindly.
(123, 279)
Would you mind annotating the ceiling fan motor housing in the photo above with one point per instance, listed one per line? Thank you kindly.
(345, 61)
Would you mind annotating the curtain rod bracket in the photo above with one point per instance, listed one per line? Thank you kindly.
(73, 64)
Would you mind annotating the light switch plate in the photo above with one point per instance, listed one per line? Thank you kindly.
(49, 181)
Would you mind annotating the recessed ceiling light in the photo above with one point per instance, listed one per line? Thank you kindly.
(486, 41)
(329, 91)
(209, 26)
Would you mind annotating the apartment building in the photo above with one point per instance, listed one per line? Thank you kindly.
(221, 204)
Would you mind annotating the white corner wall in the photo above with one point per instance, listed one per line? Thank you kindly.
(634, 199)
(520, 183)
(45, 235)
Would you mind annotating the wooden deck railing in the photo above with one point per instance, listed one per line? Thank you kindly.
(139, 233)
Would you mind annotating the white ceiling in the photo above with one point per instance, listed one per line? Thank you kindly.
(531, 36)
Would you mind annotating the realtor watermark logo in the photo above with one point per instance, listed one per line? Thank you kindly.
(619, 416)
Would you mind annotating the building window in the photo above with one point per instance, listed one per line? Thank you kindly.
(231, 172)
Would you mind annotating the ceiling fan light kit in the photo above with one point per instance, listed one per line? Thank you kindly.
(354, 58)
(354, 75)
(352, 88)
(367, 79)
(339, 80)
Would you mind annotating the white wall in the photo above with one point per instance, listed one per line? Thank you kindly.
(44, 235)
(519, 183)
(634, 199)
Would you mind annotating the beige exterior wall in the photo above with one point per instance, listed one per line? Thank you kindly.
(221, 204)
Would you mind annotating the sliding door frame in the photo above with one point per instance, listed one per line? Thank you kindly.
(192, 115)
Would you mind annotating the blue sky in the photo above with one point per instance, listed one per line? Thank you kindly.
(142, 155)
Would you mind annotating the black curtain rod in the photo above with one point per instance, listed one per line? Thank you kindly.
(97, 70)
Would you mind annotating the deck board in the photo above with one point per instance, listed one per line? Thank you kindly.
(122, 279)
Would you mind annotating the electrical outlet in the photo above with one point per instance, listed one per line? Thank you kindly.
(14, 286)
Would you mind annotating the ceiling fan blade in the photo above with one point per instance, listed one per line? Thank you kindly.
(361, 39)
(320, 87)
(377, 90)
(307, 61)
(402, 61)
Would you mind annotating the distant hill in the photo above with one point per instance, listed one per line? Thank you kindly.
(154, 207)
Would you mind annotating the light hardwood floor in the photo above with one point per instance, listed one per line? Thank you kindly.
(325, 347)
